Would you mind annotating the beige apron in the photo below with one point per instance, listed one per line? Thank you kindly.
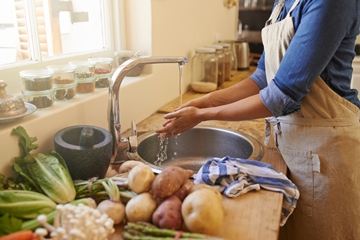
(321, 147)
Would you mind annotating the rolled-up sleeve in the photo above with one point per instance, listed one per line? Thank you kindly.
(312, 50)
(272, 97)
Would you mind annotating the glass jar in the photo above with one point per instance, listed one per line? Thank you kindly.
(64, 81)
(41, 99)
(38, 87)
(221, 63)
(85, 76)
(103, 71)
(37, 79)
(227, 54)
(204, 69)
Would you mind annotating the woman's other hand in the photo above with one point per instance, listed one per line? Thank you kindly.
(184, 118)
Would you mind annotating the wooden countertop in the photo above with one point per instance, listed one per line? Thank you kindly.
(255, 215)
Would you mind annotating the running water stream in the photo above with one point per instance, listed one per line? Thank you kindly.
(163, 142)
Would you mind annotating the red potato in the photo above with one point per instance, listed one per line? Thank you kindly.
(168, 214)
(169, 181)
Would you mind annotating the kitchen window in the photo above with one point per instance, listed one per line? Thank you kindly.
(37, 33)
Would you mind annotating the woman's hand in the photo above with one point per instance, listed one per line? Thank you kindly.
(184, 118)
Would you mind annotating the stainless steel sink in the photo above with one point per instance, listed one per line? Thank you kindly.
(194, 147)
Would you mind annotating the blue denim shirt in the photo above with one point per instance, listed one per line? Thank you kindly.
(323, 45)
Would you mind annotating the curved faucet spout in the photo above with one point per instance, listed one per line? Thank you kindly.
(115, 83)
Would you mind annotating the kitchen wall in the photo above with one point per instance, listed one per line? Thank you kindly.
(157, 27)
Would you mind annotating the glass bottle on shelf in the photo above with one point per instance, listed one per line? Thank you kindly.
(228, 55)
(204, 69)
(219, 54)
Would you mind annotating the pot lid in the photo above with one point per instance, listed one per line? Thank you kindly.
(10, 105)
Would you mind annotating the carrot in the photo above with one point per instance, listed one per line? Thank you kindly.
(20, 235)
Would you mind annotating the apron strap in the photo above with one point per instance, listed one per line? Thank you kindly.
(293, 7)
(275, 13)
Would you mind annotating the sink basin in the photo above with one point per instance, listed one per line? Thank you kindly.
(194, 147)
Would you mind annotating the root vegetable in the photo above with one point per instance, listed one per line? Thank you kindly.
(169, 181)
(128, 165)
(141, 178)
(202, 212)
(195, 187)
(168, 214)
(115, 210)
(20, 235)
(184, 190)
(140, 208)
(113, 207)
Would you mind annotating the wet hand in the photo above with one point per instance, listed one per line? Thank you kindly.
(179, 121)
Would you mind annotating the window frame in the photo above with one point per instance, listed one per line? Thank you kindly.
(113, 19)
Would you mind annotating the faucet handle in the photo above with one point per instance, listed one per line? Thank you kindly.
(133, 144)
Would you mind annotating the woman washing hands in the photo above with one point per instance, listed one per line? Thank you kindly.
(235, 103)
(302, 87)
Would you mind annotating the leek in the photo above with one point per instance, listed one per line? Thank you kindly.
(47, 173)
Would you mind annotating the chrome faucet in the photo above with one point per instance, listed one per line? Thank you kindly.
(120, 145)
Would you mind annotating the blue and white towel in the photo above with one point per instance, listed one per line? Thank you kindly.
(235, 176)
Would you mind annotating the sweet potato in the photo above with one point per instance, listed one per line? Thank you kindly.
(168, 214)
(169, 181)
(184, 190)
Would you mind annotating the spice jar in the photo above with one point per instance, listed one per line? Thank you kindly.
(204, 69)
(84, 76)
(41, 99)
(103, 71)
(37, 79)
(64, 81)
(227, 60)
(38, 87)
(219, 54)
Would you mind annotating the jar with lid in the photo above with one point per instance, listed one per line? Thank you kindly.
(227, 54)
(38, 87)
(204, 69)
(221, 60)
(103, 71)
(64, 81)
(84, 76)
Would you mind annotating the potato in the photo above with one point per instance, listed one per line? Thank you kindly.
(195, 187)
(168, 214)
(140, 208)
(128, 165)
(202, 212)
(184, 190)
(169, 181)
(141, 178)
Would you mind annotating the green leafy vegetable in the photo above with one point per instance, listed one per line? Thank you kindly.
(9, 224)
(25, 204)
(47, 173)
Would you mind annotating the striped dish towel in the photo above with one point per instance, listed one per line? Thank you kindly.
(235, 176)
